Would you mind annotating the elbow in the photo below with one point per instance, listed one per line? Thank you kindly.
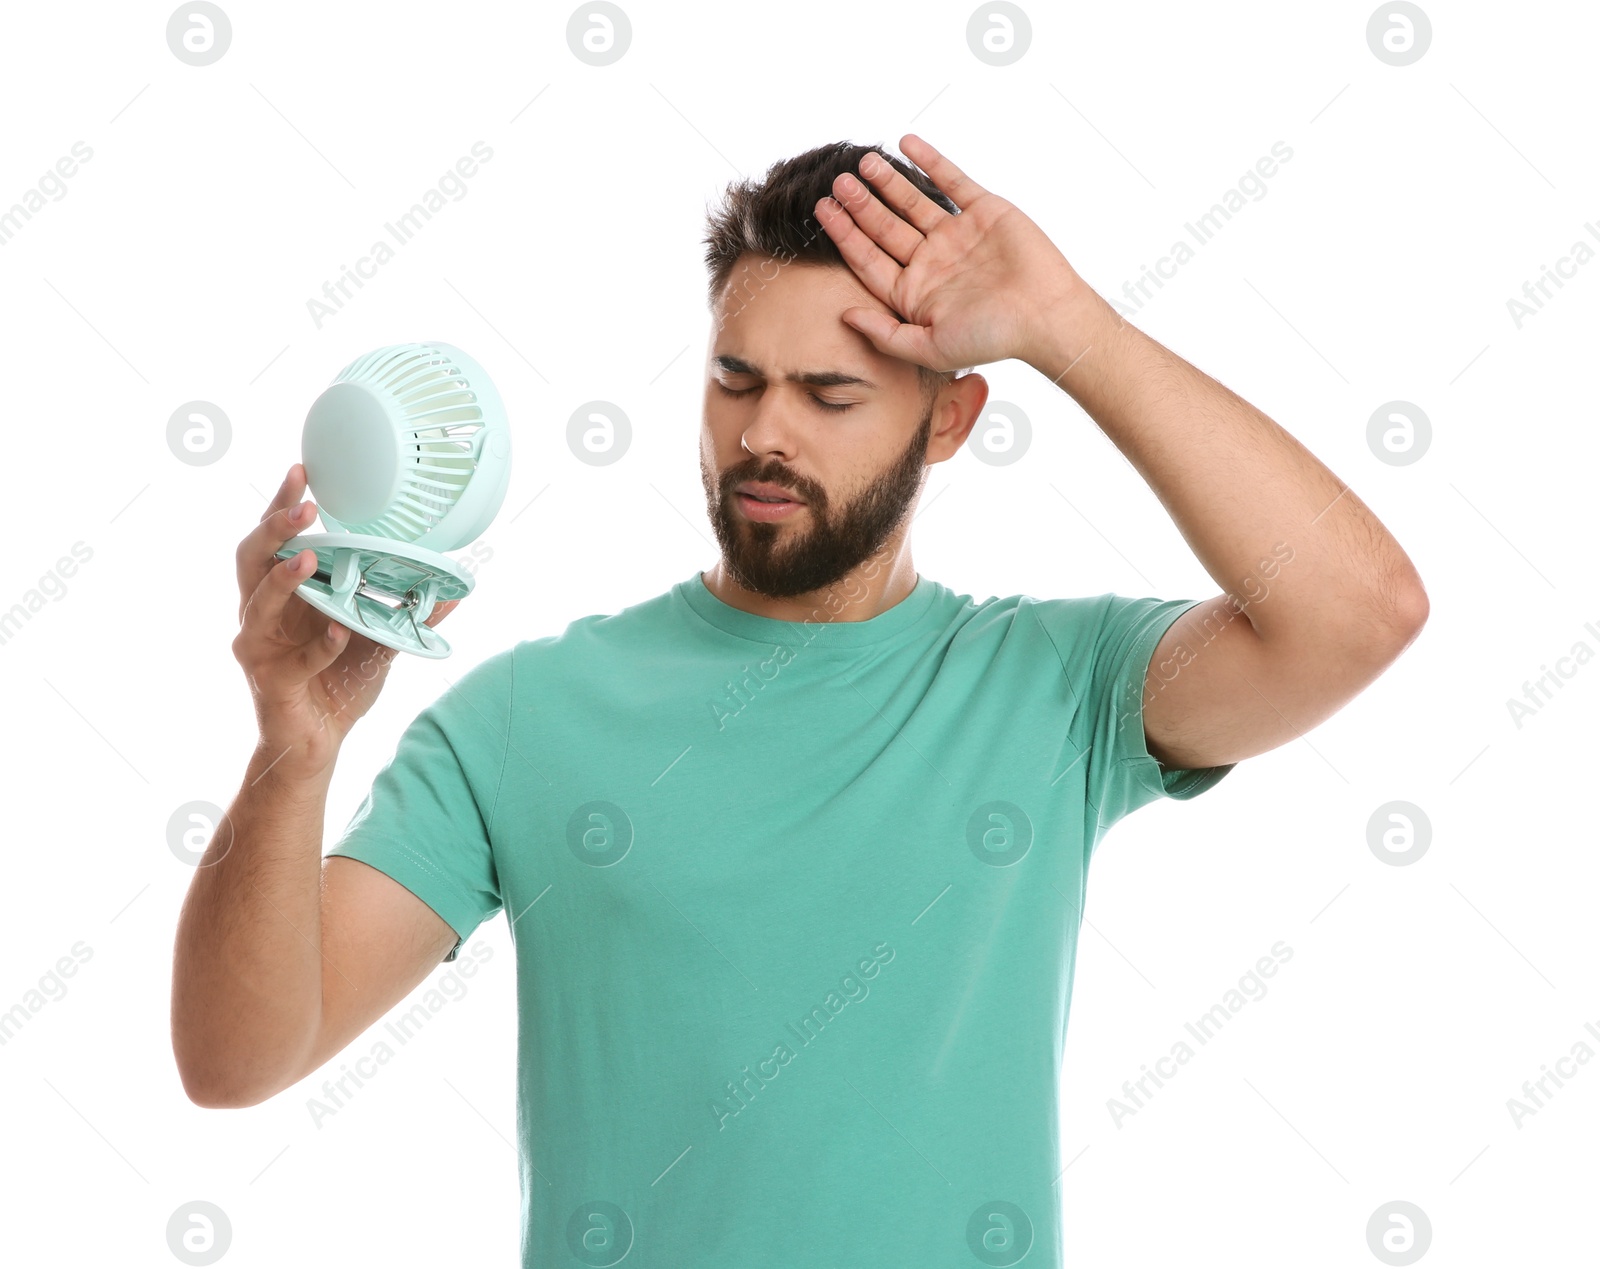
(208, 1102)
(220, 1070)
(1411, 613)
(1387, 625)
(209, 1087)
(206, 1095)
(1397, 602)
(218, 1096)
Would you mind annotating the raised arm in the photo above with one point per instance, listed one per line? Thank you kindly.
(1317, 596)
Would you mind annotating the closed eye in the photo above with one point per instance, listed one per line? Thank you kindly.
(826, 405)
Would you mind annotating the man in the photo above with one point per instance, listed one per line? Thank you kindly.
(794, 854)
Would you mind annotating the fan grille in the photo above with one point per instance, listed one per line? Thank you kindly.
(441, 430)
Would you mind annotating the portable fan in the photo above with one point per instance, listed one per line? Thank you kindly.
(407, 453)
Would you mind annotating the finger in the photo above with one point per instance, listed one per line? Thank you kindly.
(318, 651)
(258, 550)
(892, 338)
(289, 492)
(955, 184)
(879, 271)
(900, 195)
(877, 221)
(440, 612)
(261, 622)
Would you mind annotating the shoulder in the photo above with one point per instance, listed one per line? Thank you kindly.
(599, 644)
(1064, 626)
(1085, 624)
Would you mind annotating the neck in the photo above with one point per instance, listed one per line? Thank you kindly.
(874, 586)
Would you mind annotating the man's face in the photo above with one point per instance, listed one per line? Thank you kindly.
(855, 471)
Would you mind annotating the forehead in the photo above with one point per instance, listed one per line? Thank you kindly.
(764, 287)
(777, 317)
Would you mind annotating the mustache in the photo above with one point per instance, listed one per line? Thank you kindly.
(802, 488)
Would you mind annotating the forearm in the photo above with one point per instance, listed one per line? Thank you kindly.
(247, 966)
(1240, 489)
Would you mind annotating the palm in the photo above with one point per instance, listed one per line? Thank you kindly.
(960, 285)
(972, 287)
(344, 691)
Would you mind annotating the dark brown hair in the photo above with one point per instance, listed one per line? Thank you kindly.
(776, 219)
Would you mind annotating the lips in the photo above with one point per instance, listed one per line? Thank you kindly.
(752, 508)
(767, 493)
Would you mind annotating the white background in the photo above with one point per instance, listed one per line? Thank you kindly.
(1377, 267)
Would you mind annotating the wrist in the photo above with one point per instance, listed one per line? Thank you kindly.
(298, 768)
(1076, 333)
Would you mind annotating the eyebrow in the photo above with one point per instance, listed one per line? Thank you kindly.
(811, 378)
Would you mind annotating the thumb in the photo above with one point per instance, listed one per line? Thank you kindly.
(888, 336)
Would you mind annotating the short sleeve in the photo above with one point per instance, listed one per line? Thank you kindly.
(1106, 644)
(427, 820)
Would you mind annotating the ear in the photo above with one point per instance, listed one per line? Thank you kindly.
(969, 394)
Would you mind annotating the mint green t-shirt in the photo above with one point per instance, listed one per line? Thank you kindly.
(795, 909)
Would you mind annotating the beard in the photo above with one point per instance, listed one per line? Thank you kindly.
(783, 559)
